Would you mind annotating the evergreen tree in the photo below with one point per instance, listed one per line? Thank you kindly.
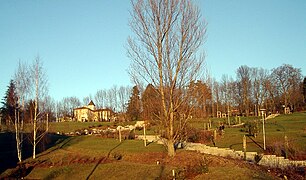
(134, 104)
(9, 104)
(151, 103)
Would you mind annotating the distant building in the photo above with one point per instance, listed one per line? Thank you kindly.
(90, 113)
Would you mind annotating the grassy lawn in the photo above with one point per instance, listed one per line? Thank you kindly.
(292, 125)
(67, 127)
(94, 157)
(82, 157)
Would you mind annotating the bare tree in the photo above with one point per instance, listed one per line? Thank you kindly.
(259, 78)
(67, 105)
(216, 96)
(163, 53)
(40, 89)
(123, 97)
(22, 82)
(100, 98)
(87, 99)
(288, 79)
(244, 85)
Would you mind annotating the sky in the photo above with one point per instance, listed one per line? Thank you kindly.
(82, 43)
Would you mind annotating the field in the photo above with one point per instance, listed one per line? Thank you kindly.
(94, 157)
(293, 126)
(91, 157)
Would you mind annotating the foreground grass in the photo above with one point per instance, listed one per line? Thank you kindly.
(92, 157)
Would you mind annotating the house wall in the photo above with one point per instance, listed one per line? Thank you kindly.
(86, 114)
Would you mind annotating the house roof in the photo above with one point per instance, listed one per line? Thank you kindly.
(97, 110)
(91, 103)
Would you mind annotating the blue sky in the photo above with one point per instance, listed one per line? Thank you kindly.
(82, 42)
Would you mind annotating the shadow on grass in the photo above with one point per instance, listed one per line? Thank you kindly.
(102, 160)
(250, 137)
(8, 152)
(63, 141)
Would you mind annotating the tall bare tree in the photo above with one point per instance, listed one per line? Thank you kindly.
(288, 79)
(123, 97)
(22, 82)
(163, 52)
(40, 89)
(260, 78)
(244, 85)
(100, 98)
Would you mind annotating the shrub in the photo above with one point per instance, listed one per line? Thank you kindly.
(251, 128)
(131, 135)
(117, 156)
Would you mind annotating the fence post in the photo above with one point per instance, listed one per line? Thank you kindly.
(244, 147)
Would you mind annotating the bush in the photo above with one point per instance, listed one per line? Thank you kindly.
(132, 135)
(192, 170)
(117, 156)
(251, 128)
(192, 134)
(279, 148)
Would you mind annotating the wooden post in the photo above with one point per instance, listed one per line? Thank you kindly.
(120, 133)
(228, 114)
(209, 123)
(208, 126)
(244, 147)
(144, 134)
(263, 130)
(286, 146)
(215, 134)
(173, 174)
(239, 119)
(47, 128)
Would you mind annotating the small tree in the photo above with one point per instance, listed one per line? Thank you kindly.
(11, 112)
(150, 103)
(133, 109)
(40, 89)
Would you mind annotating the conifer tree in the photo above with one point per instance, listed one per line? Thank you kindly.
(134, 104)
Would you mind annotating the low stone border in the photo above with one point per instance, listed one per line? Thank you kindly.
(264, 160)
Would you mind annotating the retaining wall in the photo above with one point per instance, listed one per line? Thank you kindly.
(265, 160)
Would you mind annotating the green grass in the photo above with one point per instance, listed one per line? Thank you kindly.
(102, 146)
(67, 127)
(73, 150)
(64, 160)
(237, 173)
(292, 125)
(118, 170)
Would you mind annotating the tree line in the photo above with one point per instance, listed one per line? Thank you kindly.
(256, 88)
(253, 89)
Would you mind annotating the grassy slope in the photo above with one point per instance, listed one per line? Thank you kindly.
(293, 126)
(78, 157)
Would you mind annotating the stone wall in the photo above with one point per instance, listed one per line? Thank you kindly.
(264, 160)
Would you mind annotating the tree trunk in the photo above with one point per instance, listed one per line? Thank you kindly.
(170, 147)
(34, 138)
(17, 135)
(35, 127)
